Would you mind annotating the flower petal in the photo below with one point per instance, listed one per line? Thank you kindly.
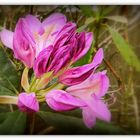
(78, 74)
(7, 38)
(28, 102)
(95, 84)
(84, 43)
(52, 25)
(60, 100)
(24, 43)
(42, 61)
(56, 19)
(88, 117)
(100, 109)
(33, 23)
(64, 55)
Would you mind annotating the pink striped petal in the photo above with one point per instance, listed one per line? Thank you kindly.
(42, 61)
(84, 43)
(78, 74)
(28, 102)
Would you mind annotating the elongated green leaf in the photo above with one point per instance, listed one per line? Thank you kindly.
(73, 125)
(12, 123)
(9, 80)
(118, 19)
(125, 49)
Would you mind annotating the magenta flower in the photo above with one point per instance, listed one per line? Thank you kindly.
(28, 102)
(31, 36)
(89, 92)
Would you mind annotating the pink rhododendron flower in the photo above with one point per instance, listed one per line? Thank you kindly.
(28, 102)
(50, 48)
(88, 92)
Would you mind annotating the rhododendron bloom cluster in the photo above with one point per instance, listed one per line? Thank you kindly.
(51, 48)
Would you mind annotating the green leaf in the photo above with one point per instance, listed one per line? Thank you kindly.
(73, 125)
(12, 123)
(9, 80)
(118, 19)
(125, 49)
(87, 10)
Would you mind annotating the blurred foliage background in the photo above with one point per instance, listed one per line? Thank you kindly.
(116, 30)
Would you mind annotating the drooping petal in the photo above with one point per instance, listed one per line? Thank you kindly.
(24, 43)
(99, 108)
(97, 84)
(84, 43)
(60, 100)
(78, 74)
(42, 61)
(88, 117)
(6, 37)
(28, 102)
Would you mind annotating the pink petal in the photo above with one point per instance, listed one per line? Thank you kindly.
(84, 42)
(6, 37)
(100, 109)
(95, 84)
(24, 43)
(64, 55)
(33, 23)
(42, 61)
(88, 117)
(56, 19)
(52, 25)
(68, 29)
(78, 74)
(28, 102)
(60, 100)
(98, 58)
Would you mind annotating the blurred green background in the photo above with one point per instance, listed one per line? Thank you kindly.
(117, 30)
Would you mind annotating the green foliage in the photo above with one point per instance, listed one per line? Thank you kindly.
(9, 80)
(125, 49)
(12, 123)
(74, 125)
